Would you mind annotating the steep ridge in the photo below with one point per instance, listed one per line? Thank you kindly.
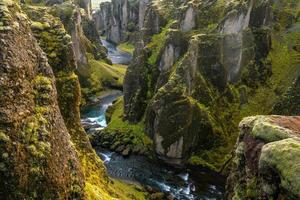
(117, 20)
(45, 153)
(215, 62)
(40, 159)
(96, 72)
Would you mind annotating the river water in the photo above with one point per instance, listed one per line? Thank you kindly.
(116, 55)
(182, 184)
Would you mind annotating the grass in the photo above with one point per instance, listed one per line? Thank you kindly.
(128, 47)
(157, 44)
(103, 77)
(117, 123)
(102, 72)
(284, 69)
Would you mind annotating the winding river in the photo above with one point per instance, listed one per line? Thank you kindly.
(181, 184)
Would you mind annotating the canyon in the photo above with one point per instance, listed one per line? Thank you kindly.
(100, 101)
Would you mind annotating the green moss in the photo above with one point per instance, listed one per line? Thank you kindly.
(282, 158)
(118, 124)
(269, 132)
(103, 76)
(127, 47)
(198, 161)
(156, 44)
(251, 191)
(4, 138)
(39, 26)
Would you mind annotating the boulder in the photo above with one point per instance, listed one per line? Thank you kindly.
(266, 159)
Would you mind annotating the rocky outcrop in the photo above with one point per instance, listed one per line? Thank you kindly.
(135, 87)
(215, 63)
(189, 21)
(72, 20)
(93, 67)
(45, 153)
(38, 158)
(266, 160)
(57, 44)
(116, 20)
(143, 4)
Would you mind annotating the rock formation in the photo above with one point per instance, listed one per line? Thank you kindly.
(267, 159)
(214, 62)
(38, 159)
(117, 19)
(45, 152)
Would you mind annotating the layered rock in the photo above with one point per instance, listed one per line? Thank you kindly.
(38, 158)
(117, 19)
(213, 63)
(93, 67)
(72, 20)
(45, 153)
(143, 4)
(267, 159)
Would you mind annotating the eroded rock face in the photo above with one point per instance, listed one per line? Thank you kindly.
(178, 131)
(142, 12)
(235, 44)
(115, 19)
(135, 89)
(267, 159)
(42, 161)
(226, 61)
(72, 20)
(189, 21)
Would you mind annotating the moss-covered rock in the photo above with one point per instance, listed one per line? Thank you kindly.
(45, 153)
(237, 54)
(120, 135)
(33, 132)
(280, 160)
(266, 161)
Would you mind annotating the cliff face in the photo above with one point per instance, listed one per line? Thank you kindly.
(117, 19)
(45, 152)
(215, 62)
(38, 159)
(267, 159)
(94, 69)
(143, 4)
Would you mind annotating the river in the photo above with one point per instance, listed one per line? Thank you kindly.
(182, 184)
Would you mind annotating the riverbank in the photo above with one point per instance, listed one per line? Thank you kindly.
(159, 179)
(127, 151)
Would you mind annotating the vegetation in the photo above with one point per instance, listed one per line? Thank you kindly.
(127, 47)
(103, 77)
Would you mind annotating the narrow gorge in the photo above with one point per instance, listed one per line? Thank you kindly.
(150, 99)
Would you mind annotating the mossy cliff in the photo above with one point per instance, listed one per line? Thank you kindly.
(38, 158)
(94, 69)
(200, 67)
(117, 20)
(45, 153)
(266, 165)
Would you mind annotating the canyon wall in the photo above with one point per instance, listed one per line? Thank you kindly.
(38, 158)
(215, 62)
(117, 19)
(45, 152)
